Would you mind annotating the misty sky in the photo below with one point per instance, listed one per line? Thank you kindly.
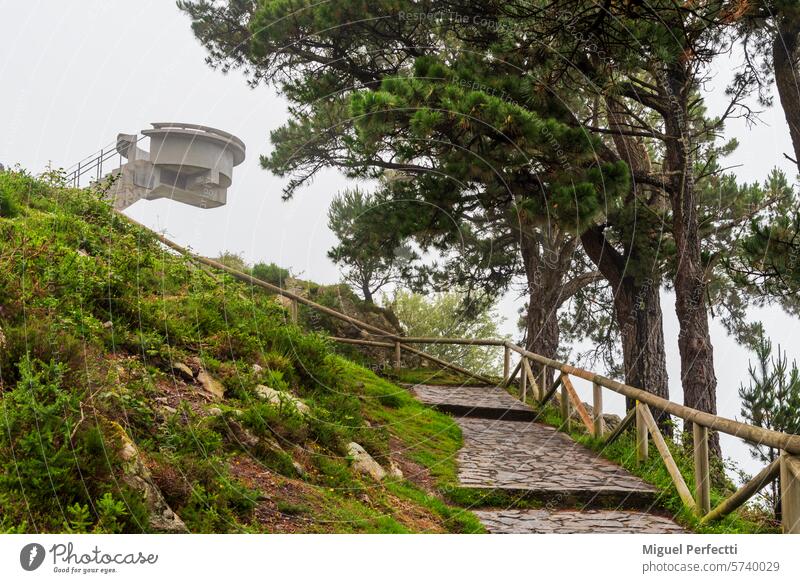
(74, 74)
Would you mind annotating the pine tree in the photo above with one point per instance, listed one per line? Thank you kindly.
(772, 401)
(368, 257)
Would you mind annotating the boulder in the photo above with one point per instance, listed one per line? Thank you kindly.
(364, 463)
(183, 371)
(137, 477)
(211, 386)
(611, 421)
(282, 398)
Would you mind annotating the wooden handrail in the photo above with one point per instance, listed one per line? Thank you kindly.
(768, 437)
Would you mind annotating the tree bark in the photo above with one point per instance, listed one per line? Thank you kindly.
(637, 309)
(543, 258)
(786, 64)
(637, 304)
(694, 339)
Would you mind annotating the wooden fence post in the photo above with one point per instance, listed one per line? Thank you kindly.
(790, 492)
(396, 356)
(543, 384)
(293, 311)
(565, 409)
(641, 434)
(597, 410)
(506, 364)
(523, 379)
(702, 476)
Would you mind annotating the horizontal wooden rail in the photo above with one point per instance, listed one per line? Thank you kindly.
(363, 342)
(393, 345)
(751, 433)
(466, 341)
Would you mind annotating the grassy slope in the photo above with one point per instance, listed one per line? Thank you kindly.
(93, 314)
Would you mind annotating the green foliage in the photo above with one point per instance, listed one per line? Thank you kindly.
(232, 260)
(271, 273)
(368, 256)
(47, 454)
(772, 401)
(446, 315)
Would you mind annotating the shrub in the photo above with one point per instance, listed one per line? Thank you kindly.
(271, 273)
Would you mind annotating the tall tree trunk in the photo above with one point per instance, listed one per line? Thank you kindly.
(637, 304)
(545, 273)
(366, 291)
(786, 63)
(694, 339)
(637, 309)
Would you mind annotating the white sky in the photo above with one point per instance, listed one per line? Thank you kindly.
(74, 74)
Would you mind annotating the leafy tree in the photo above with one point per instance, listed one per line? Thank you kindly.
(368, 264)
(768, 260)
(444, 315)
(233, 260)
(772, 401)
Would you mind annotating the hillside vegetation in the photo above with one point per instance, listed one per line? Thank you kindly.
(141, 393)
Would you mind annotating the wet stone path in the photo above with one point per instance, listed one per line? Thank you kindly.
(581, 491)
(541, 521)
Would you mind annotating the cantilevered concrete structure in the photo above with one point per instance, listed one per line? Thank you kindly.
(189, 163)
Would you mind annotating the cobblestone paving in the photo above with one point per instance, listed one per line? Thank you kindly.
(540, 521)
(528, 459)
(485, 402)
(519, 455)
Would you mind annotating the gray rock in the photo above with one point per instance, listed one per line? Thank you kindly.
(281, 399)
(183, 371)
(137, 477)
(364, 463)
(301, 471)
(211, 386)
(240, 434)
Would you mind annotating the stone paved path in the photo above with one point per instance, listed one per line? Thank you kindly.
(483, 402)
(540, 521)
(532, 458)
(534, 461)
